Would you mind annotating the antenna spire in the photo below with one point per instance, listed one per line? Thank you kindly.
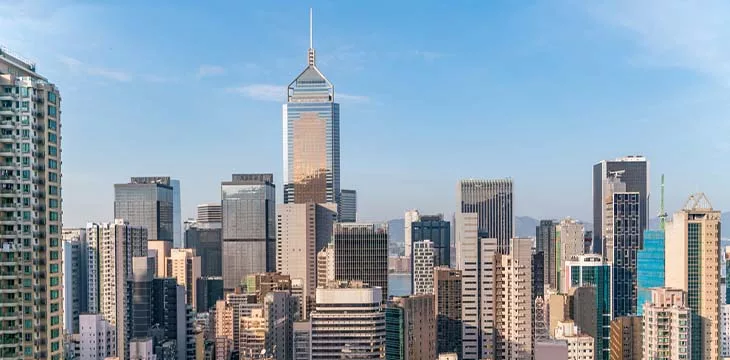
(311, 41)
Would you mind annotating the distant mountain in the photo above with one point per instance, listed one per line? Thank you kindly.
(525, 226)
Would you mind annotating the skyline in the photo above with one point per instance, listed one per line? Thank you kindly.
(534, 87)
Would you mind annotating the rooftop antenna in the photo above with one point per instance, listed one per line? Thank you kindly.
(311, 40)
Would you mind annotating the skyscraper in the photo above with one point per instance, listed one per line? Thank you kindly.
(409, 218)
(434, 228)
(693, 266)
(348, 206)
(477, 259)
(622, 240)
(98, 338)
(667, 326)
(147, 202)
(177, 222)
(249, 236)
(592, 274)
(302, 231)
(423, 264)
(205, 239)
(634, 172)
(139, 299)
(447, 294)
(361, 254)
(626, 336)
(568, 243)
(545, 244)
(311, 137)
(491, 200)
(649, 267)
(30, 209)
(513, 302)
(410, 328)
(75, 281)
(209, 213)
(184, 265)
(354, 309)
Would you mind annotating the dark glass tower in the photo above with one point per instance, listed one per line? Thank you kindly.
(634, 172)
(249, 227)
(147, 202)
(491, 200)
(361, 253)
(545, 234)
(434, 228)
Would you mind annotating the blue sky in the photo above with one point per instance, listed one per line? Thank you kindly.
(430, 93)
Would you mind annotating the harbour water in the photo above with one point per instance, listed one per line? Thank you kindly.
(399, 284)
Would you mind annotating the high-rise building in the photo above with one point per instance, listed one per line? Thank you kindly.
(205, 239)
(139, 299)
(160, 251)
(98, 337)
(223, 329)
(348, 206)
(326, 265)
(354, 309)
(253, 333)
(447, 297)
(302, 231)
(491, 200)
(30, 210)
(634, 173)
(667, 324)
(477, 260)
(268, 329)
(142, 349)
(558, 306)
(438, 231)
(568, 243)
(580, 346)
(119, 242)
(545, 244)
(311, 138)
(513, 305)
(538, 274)
(147, 202)
(209, 213)
(725, 330)
(410, 328)
(184, 265)
(361, 253)
(622, 240)
(410, 217)
(626, 332)
(75, 280)
(423, 264)
(592, 274)
(649, 267)
(177, 221)
(693, 266)
(170, 316)
(301, 345)
(249, 236)
(209, 290)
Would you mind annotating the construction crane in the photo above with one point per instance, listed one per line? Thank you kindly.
(662, 213)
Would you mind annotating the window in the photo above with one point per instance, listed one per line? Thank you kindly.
(24, 105)
(24, 91)
(51, 97)
(28, 351)
(54, 319)
(54, 345)
(24, 120)
(52, 137)
(25, 134)
(52, 164)
(7, 90)
(54, 255)
(26, 161)
(53, 204)
(52, 125)
(53, 229)
(53, 216)
(52, 150)
(54, 242)
(53, 190)
(54, 270)
(26, 215)
(51, 110)
(52, 177)
(28, 324)
(25, 174)
(54, 306)
(54, 282)
(25, 148)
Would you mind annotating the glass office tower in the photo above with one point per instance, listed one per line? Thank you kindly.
(649, 267)
(311, 139)
(147, 202)
(436, 229)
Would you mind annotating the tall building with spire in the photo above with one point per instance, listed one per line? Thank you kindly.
(311, 137)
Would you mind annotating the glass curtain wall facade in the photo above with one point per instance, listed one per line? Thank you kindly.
(434, 228)
(361, 253)
(626, 237)
(491, 200)
(649, 267)
(249, 227)
(147, 202)
(311, 139)
(591, 271)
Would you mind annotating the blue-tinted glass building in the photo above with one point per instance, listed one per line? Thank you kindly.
(311, 139)
(590, 271)
(649, 267)
(436, 229)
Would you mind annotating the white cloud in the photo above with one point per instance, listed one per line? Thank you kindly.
(74, 64)
(691, 35)
(210, 70)
(351, 98)
(263, 92)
